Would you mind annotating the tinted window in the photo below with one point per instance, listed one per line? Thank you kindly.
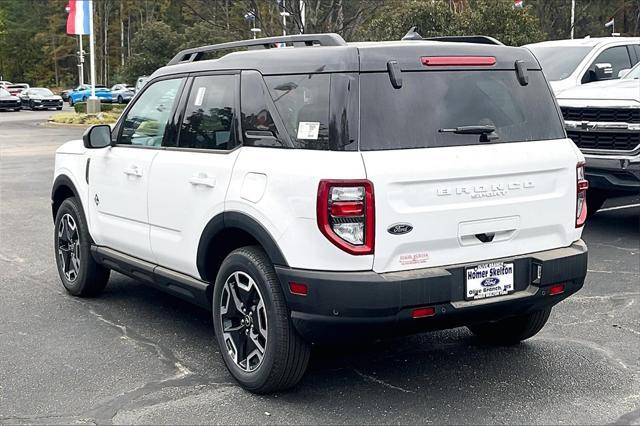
(411, 117)
(257, 122)
(209, 114)
(634, 74)
(147, 119)
(559, 62)
(303, 104)
(617, 56)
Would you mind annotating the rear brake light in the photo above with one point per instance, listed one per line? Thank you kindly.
(423, 312)
(444, 61)
(556, 289)
(299, 289)
(581, 197)
(346, 214)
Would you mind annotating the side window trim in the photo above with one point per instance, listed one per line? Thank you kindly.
(184, 99)
(271, 106)
(118, 128)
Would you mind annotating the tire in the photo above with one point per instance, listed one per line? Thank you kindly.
(17, 109)
(286, 355)
(70, 102)
(513, 330)
(80, 274)
(120, 100)
(31, 105)
(595, 200)
(59, 108)
(84, 99)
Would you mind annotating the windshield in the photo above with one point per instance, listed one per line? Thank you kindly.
(634, 74)
(41, 92)
(559, 62)
(430, 107)
(4, 92)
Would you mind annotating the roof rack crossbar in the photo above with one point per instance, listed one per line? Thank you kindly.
(479, 39)
(297, 40)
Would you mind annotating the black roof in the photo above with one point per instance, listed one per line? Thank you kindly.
(338, 56)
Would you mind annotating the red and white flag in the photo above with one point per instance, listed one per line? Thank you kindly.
(79, 15)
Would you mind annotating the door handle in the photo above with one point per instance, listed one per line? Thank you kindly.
(202, 179)
(133, 171)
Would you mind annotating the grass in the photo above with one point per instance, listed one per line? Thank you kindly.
(76, 118)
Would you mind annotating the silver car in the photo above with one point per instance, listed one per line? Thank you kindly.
(122, 93)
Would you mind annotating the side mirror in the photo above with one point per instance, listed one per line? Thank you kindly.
(98, 136)
(623, 72)
(603, 71)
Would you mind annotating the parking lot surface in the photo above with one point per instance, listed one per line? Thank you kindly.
(135, 355)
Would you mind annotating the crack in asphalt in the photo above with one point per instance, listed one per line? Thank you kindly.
(608, 354)
(381, 382)
(625, 328)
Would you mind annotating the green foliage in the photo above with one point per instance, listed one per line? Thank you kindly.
(155, 45)
(81, 107)
(495, 18)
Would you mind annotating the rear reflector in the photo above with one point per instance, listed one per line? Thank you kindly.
(423, 312)
(347, 208)
(556, 289)
(298, 288)
(445, 61)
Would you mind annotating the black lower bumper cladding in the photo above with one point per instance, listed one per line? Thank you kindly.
(347, 304)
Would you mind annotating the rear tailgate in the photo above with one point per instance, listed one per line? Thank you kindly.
(518, 198)
(444, 196)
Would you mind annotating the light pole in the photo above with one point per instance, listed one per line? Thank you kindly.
(573, 16)
(250, 17)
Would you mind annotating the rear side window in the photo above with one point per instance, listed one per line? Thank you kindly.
(257, 122)
(428, 102)
(209, 114)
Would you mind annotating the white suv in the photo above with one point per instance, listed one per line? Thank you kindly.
(329, 190)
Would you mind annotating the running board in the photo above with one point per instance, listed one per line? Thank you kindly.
(167, 280)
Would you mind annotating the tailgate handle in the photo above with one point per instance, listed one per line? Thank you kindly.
(486, 237)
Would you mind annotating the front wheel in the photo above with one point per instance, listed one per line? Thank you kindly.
(513, 330)
(259, 345)
(79, 273)
(70, 102)
(120, 100)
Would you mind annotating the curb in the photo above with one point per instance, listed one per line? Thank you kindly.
(49, 123)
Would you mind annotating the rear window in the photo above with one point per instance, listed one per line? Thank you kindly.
(411, 117)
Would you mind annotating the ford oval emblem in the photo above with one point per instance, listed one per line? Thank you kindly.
(490, 282)
(400, 228)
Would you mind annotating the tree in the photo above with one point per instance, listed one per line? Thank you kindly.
(154, 45)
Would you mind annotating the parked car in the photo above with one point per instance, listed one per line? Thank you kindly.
(40, 98)
(8, 101)
(140, 82)
(603, 119)
(16, 89)
(122, 93)
(5, 83)
(277, 190)
(65, 95)
(571, 63)
(83, 92)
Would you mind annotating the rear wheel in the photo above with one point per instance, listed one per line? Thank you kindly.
(120, 100)
(80, 274)
(257, 340)
(595, 200)
(513, 330)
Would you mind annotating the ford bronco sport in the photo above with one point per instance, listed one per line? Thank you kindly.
(325, 190)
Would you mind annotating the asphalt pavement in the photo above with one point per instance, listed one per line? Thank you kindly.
(136, 355)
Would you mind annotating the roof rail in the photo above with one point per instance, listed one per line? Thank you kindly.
(297, 40)
(479, 39)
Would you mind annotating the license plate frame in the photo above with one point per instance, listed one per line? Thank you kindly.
(489, 280)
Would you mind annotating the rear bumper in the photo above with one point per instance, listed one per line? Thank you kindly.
(613, 173)
(341, 305)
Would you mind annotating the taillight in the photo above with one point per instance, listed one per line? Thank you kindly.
(582, 185)
(346, 214)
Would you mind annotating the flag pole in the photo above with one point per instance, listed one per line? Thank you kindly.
(81, 64)
(92, 105)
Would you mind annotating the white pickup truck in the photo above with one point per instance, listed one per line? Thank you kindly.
(603, 119)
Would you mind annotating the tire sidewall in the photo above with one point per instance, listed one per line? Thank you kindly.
(235, 262)
(70, 206)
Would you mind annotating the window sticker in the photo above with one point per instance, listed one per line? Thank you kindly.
(200, 96)
(308, 130)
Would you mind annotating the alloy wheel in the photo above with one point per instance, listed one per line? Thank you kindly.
(69, 247)
(243, 316)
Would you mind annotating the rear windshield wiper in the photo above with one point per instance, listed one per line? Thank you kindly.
(487, 133)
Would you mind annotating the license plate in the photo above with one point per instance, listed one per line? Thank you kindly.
(489, 280)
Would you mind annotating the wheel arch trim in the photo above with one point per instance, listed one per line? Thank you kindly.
(63, 181)
(243, 222)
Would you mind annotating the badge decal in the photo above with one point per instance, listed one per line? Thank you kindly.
(400, 228)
